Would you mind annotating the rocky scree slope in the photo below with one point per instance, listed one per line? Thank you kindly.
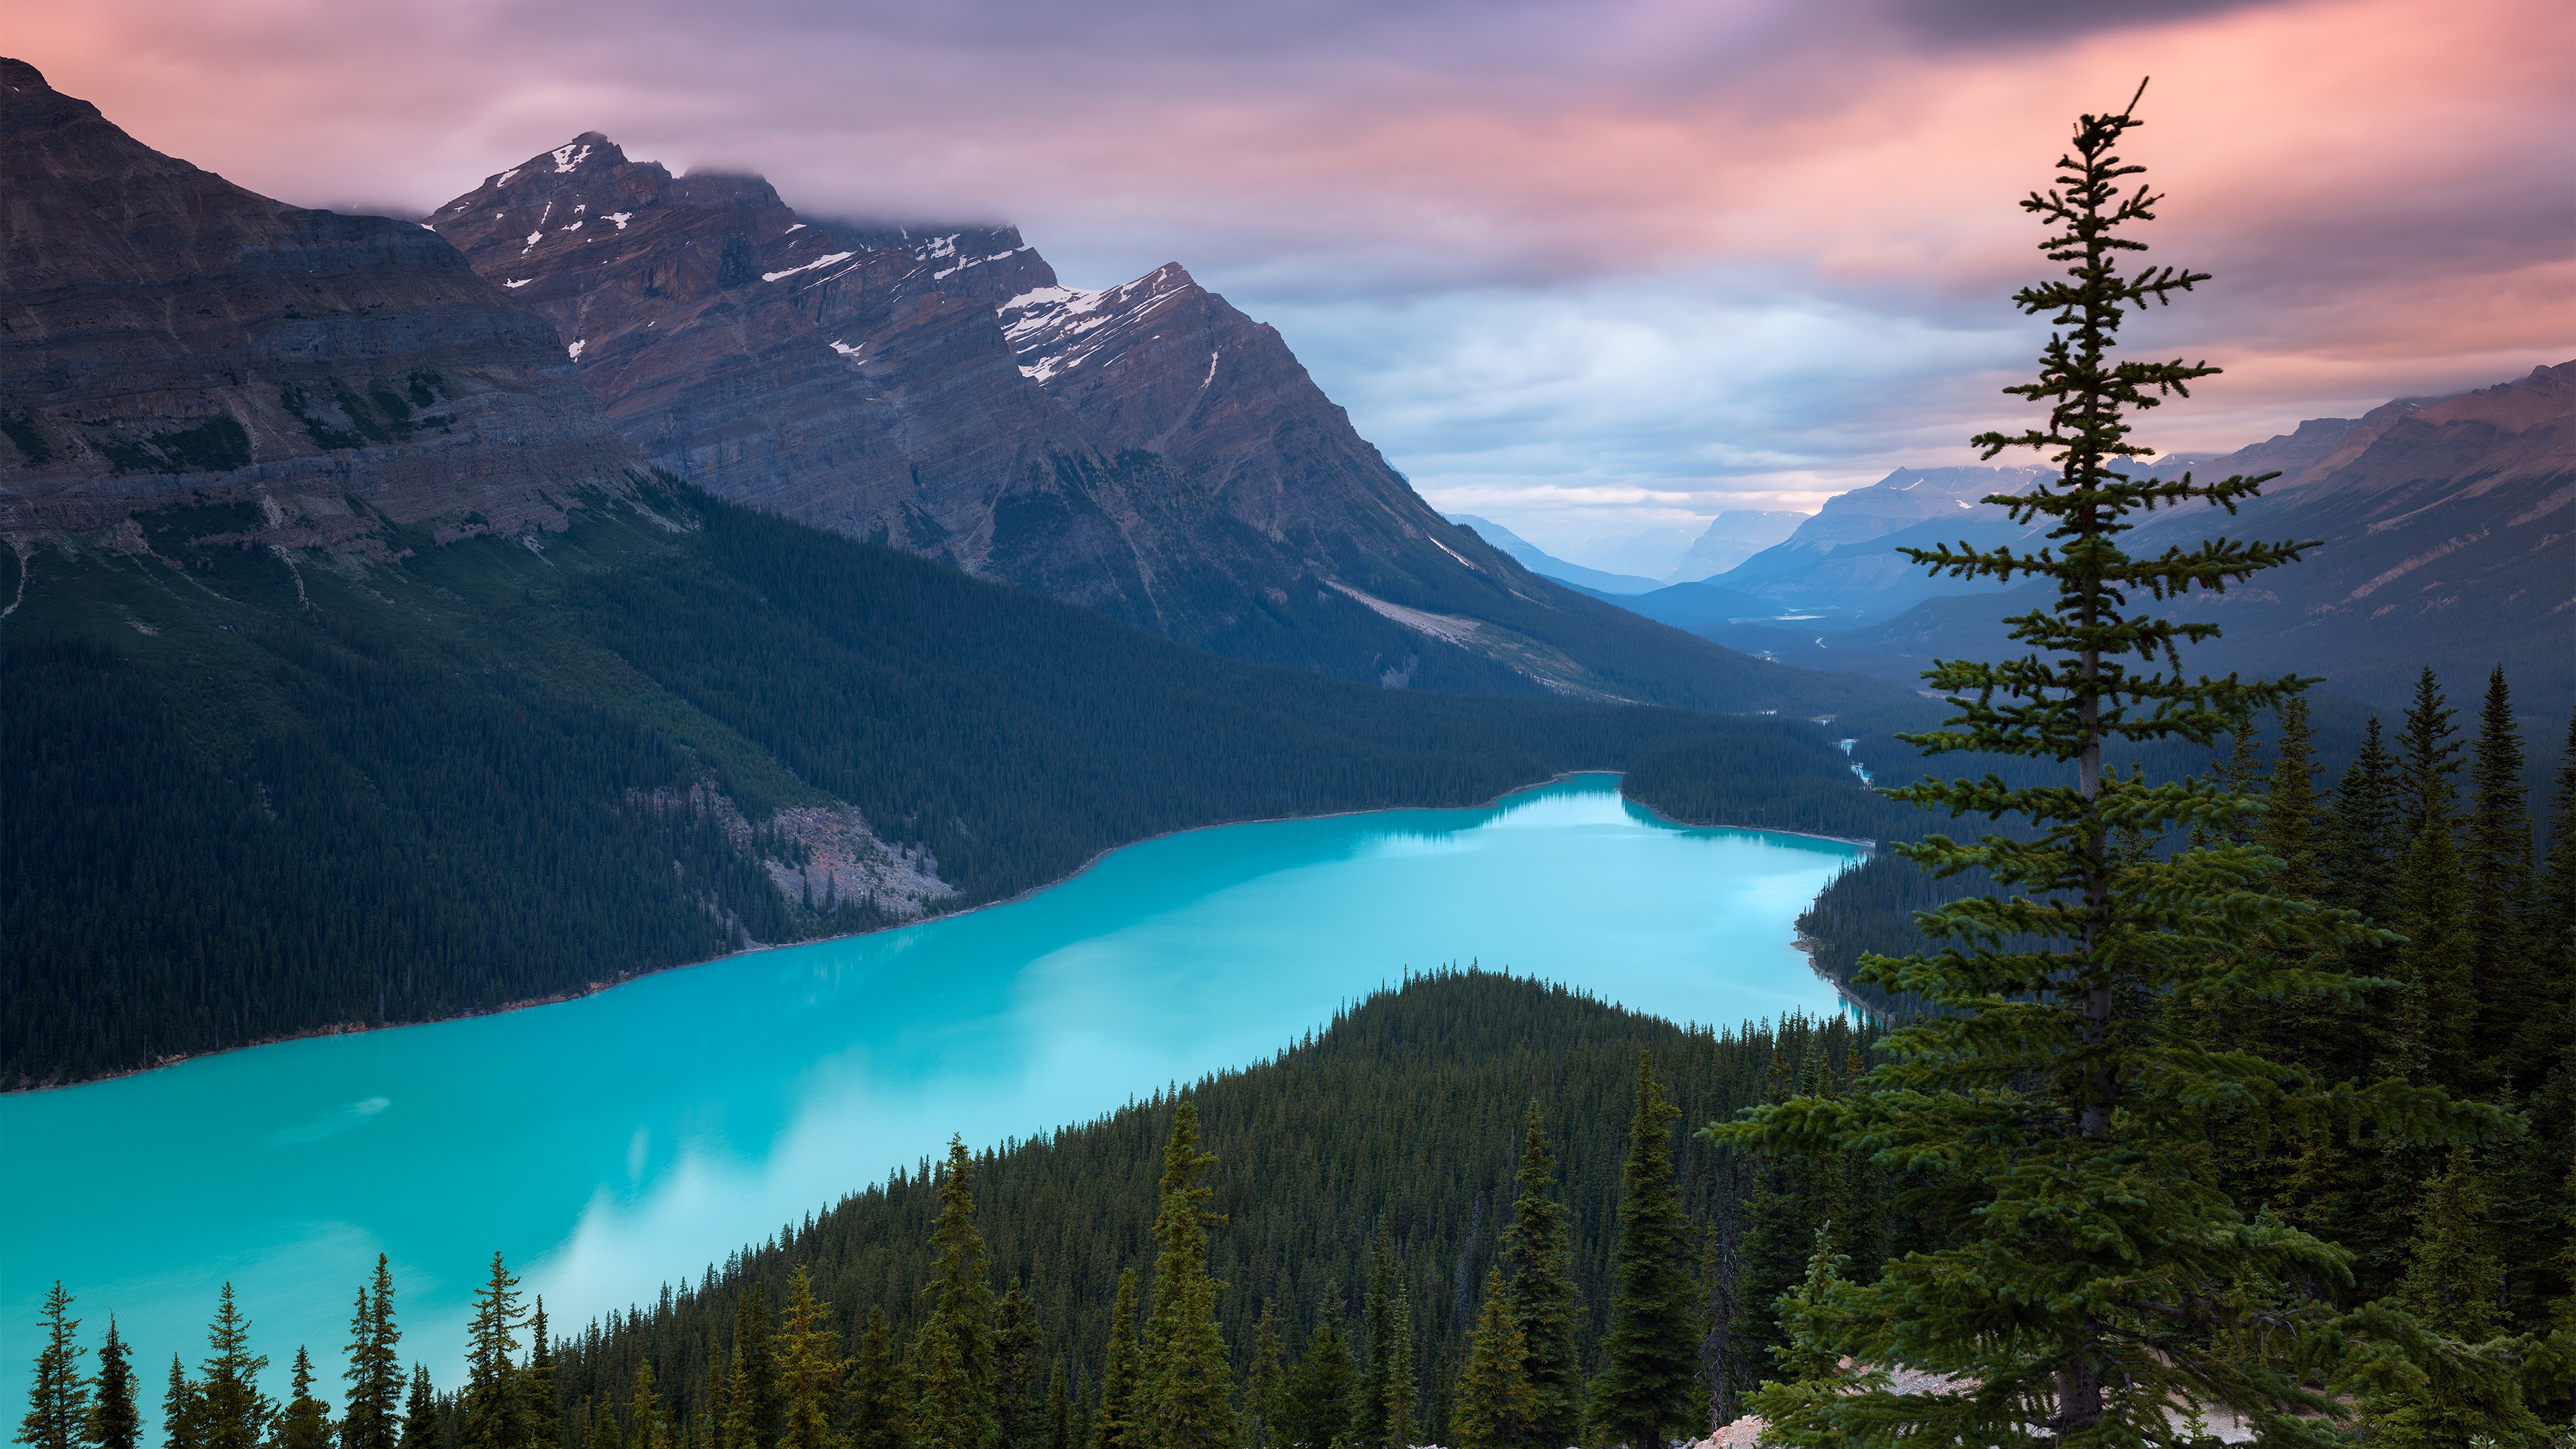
(165, 333)
(1146, 451)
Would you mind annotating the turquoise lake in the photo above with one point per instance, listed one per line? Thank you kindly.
(610, 1144)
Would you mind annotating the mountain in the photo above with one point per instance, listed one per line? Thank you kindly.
(1840, 564)
(1146, 451)
(1547, 565)
(2442, 538)
(1732, 537)
(168, 334)
(336, 703)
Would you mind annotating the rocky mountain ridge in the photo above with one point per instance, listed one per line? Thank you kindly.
(167, 335)
(1146, 450)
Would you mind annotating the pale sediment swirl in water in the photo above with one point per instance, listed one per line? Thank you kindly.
(615, 1142)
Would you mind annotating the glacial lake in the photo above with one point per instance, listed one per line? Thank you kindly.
(611, 1144)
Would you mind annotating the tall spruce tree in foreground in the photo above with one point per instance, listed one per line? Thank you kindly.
(1187, 1388)
(1496, 1406)
(1115, 1427)
(230, 1411)
(495, 1413)
(811, 1371)
(181, 1414)
(1320, 1386)
(373, 1418)
(953, 1355)
(1538, 1277)
(114, 1421)
(305, 1421)
(420, 1412)
(540, 1403)
(2097, 1287)
(1648, 1389)
(57, 1414)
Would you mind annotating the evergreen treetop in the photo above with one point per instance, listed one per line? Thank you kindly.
(114, 1421)
(373, 1417)
(58, 1407)
(1647, 1392)
(1537, 1259)
(2095, 1281)
(1187, 1386)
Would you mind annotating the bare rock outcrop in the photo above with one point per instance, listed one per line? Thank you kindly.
(167, 335)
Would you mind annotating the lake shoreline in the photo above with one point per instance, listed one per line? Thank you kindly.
(756, 948)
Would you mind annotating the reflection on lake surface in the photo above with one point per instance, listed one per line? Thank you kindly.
(613, 1143)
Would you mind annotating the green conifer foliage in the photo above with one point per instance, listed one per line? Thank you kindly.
(1265, 1384)
(114, 1420)
(231, 1412)
(305, 1421)
(811, 1372)
(540, 1403)
(57, 1414)
(495, 1412)
(1497, 1406)
(1647, 1392)
(2436, 959)
(877, 1408)
(1537, 1259)
(751, 1401)
(1320, 1385)
(1059, 1410)
(420, 1429)
(2090, 1275)
(182, 1415)
(2497, 850)
(647, 1426)
(961, 1289)
(1366, 1428)
(2454, 1283)
(1019, 1358)
(1116, 1428)
(947, 1412)
(373, 1418)
(1401, 1389)
(1186, 1390)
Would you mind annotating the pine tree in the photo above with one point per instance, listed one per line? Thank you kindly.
(58, 1405)
(1647, 1392)
(420, 1427)
(1265, 1386)
(2052, 1126)
(1401, 1392)
(1537, 1258)
(877, 1408)
(647, 1427)
(305, 1422)
(812, 1371)
(751, 1402)
(114, 1420)
(540, 1403)
(1321, 1384)
(494, 1416)
(1367, 1422)
(603, 1433)
(947, 1413)
(1059, 1411)
(373, 1418)
(231, 1412)
(1497, 1407)
(2436, 959)
(1019, 1356)
(1116, 1427)
(2498, 865)
(962, 1311)
(1186, 1389)
(182, 1412)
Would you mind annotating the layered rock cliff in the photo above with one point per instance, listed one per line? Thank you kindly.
(165, 334)
(1147, 450)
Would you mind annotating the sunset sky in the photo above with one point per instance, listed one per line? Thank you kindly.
(1585, 268)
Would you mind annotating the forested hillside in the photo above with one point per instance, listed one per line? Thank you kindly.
(258, 792)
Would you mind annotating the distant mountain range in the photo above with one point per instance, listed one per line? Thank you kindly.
(2443, 532)
(1539, 561)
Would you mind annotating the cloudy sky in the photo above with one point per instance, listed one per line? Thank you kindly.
(1588, 267)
